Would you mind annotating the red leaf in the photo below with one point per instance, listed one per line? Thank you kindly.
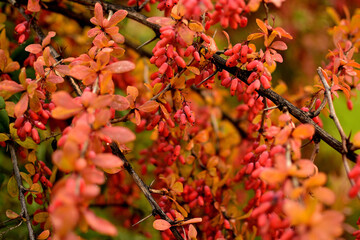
(119, 134)
(22, 105)
(120, 67)
(161, 225)
(98, 224)
(107, 160)
(66, 105)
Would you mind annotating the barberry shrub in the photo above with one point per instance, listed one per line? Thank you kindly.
(179, 119)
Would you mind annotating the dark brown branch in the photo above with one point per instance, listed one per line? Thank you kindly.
(24, 211)
(283, 104)
(145, 189)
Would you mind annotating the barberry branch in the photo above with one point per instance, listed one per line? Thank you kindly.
(220, 62)
(145, 189)
(334, 117)
(24, 211)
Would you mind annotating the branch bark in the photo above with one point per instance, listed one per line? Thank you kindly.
(145, 189)
(24, 211)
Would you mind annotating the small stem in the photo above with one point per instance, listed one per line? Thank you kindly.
(24, 210)
(315, 151)
(321, 107)
(96, 85)
(338, 125)
(143, 5)
(161, 92)
(145, 189)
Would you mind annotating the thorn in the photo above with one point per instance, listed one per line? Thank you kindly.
(146, 43)
(142, 220)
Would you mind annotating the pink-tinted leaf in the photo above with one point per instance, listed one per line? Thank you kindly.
(107, 160)
(13, 66)
(161, 224)
(22, 105)
(98, 13)
(39, 68)
(149, 106)
(120, 67)
(80, 71)
(119, 134)
(119, 103)
(54, 79)
(8, 88)
(98, 224)
(33, 6)
(47, 39)
(64, 99)
(93, 32)
(117, 17)
(304, 131)
(162, 21)
(34, 48)
(279, 45)
(262, 26)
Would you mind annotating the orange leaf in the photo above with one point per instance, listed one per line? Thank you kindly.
(315, 181)
(33, 6)
(132, 91)
(262, 26)
(196, 26)
(107, 160)
(120, 67)
(8, 88)
(120, 103)
(119, 134)
(324, 195)
(273, 176)
(254, 36)
(44, 235)
(98, 224)
(34, 48)
(192, 220)
(279, 45)
(11, 214)
(22, 105)
(192, 232)
(162, 21)
(356, 140)
(178, 187)
(304, 131)
(149, 106)
(161, 224)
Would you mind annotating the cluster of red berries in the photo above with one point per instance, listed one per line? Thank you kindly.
(229, 13)
(183, 116)
(168, 55)
(26, 124)
(23, 31)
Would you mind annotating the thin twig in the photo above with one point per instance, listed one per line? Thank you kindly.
(321, 107)
(315, 151)
(145, 189)
(334, 117)
(161, 92)
(24, 211)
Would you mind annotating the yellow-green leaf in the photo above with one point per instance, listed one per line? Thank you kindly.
(12, 187)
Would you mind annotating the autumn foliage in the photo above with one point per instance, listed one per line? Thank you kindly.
(198, 129)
